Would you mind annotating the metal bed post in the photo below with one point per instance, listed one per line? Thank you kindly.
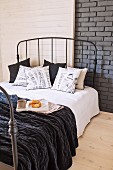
(95, 66)
(82, 54)
(66, 52)
(52, 49)
(38, 51)
(26, 49)
(17, 53)
(12, 130)
(95, 60)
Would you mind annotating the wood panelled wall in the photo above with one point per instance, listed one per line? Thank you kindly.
(23, 19)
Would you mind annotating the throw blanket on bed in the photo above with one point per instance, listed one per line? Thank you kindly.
(45, 142)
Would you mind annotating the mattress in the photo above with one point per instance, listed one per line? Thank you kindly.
(83, 103)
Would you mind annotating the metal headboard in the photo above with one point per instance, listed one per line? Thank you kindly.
(38, 44)
(82, 64)
(66, 48)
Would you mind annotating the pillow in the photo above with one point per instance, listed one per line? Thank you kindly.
(38, 78)
(66, 80)
(81, 78)
(21, 79)
(53, 69)
(13, 69)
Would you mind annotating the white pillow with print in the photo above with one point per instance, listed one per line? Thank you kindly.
(21, 79)
(66, 79)
(38, 78)
(81, 78)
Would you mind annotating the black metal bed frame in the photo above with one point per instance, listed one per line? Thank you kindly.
(66, 45)
(12, 122)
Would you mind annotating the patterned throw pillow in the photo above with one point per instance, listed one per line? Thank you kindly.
(66, 80)
(53, 69)
(81, 78)
(38, 78)
(21, 79)
(14, 68)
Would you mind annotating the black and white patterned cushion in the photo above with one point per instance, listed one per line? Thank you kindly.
(66, 80)
(53, 69)
(38, 78)
(14, 68)
(21, 79)
(81, 78)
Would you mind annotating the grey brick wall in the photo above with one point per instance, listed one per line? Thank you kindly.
(94, 22)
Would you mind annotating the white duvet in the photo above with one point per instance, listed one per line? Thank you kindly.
(83, 103)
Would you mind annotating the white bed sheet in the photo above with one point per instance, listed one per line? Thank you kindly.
(83, 103)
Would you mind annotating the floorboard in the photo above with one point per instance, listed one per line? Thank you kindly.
(95, 151)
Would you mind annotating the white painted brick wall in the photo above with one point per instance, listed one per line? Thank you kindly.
(23, 19)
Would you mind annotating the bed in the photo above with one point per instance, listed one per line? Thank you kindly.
(79, 108)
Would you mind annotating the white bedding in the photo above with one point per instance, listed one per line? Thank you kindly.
(83, 103)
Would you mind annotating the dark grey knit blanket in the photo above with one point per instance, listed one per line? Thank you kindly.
(45, 142)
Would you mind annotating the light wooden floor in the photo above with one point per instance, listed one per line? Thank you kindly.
(95, 151)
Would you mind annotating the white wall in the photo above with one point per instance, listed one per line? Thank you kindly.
(0, 58)
(0, 70)
(23, 19)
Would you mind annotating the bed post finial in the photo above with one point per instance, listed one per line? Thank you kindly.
(12, 130)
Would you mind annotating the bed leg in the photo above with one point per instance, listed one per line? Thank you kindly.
(13, 132)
